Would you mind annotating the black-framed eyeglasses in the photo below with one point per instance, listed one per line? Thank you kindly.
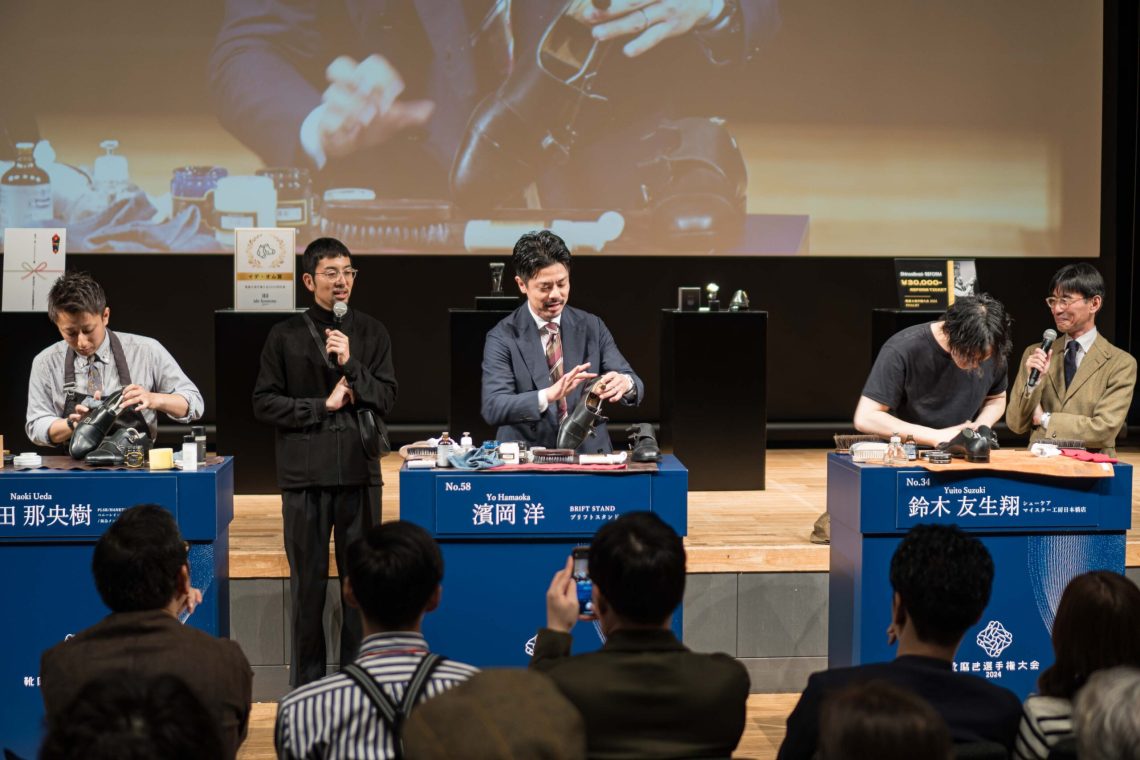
(334, 274)
(1064, 302)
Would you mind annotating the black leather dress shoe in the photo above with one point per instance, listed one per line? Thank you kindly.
(987, 432)
(586, 416)
(527, 125)
(93, 428)
(113, 449)
(695, 187)
(643, 442)
(968, 444)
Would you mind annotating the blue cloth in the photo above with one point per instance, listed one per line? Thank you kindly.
(475, 459)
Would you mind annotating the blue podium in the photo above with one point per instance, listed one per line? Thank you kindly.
(49, 522)
(505, 534)
(1041, 531)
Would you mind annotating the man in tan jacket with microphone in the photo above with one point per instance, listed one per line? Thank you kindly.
(1084, 394)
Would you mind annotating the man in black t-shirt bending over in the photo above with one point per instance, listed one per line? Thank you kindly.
(934, 379)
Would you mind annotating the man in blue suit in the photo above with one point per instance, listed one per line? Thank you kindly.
(539, 361)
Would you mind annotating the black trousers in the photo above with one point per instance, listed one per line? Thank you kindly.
(310, 515)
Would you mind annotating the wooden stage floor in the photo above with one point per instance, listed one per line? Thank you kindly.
(729, 531)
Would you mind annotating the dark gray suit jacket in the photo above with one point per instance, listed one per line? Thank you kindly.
(515, 370)
(644, 694)
(151, 643)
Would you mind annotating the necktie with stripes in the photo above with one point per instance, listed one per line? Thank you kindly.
(554, 362)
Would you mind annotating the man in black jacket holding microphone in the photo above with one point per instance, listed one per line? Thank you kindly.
(318, 370)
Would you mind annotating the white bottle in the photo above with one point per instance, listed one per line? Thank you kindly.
(189, 454)
(465, 443)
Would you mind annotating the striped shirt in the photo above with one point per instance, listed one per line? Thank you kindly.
(334, 718)
(1046, 721)
(150, 366)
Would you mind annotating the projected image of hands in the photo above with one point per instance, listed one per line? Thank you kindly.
(626, 126)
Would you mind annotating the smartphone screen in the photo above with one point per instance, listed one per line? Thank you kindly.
(581, 555)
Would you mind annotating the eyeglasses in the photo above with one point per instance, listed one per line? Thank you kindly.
(334, 274)
(1064, 303)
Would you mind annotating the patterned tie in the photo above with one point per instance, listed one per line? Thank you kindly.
(94, 377)
(554, 362)
(1071, 361)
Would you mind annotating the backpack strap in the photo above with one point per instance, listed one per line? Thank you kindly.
(392, 714)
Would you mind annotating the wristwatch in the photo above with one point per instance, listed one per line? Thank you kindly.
(71, 424)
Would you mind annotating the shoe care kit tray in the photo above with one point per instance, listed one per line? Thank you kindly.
(67, 463)
(1010, 460)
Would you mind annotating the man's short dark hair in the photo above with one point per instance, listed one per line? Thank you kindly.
(127, 716)
(137, 560)
(1081, 278)
(394, 570)
(76, 293)
(538, 250)
(879, 720)
(976, 326)
(943, 577)
(322, 248)
(638, 563)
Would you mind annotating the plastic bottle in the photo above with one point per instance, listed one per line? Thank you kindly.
(443, 450)
(25, 192)
(465, 442)
(896, 454)
(199, 433)
(189, 454)
(911, 447)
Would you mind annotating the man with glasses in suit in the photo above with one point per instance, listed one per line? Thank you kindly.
(1083, 394)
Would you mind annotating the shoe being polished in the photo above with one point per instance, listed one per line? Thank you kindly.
(968, 444)
(987, 432)
(586, 416)
(93, 428)
(527, 125)
(113, 450)
(644, 443)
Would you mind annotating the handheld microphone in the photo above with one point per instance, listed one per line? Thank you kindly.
(340, 309)
(1047, 339)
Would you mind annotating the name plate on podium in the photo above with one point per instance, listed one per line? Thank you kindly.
(498, 504)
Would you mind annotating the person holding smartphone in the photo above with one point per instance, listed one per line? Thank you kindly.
(644, 693)
(69, 377)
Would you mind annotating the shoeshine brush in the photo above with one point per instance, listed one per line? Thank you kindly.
(843, 442)
(553, 456)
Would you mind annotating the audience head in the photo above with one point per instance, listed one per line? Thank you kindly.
(1106, 715)
(122, 716)
(140, 561)
(977, 328)
(497, 715)
(394, 572)
(881, 721)
(1097, 626)
(942, 578)
(637, 565)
